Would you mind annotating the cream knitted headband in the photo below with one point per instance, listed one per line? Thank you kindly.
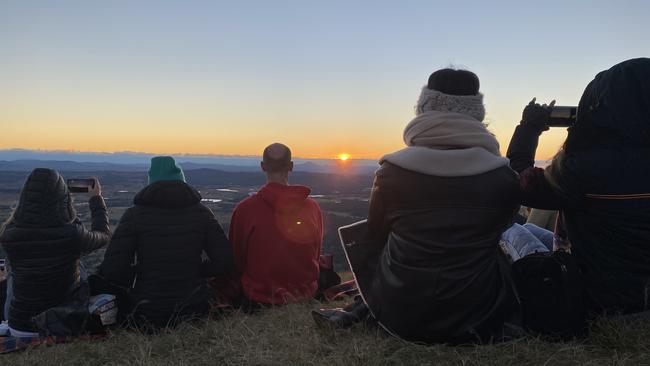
(433, 100)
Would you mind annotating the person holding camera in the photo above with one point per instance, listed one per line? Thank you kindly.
(600, 183)
(47, 291)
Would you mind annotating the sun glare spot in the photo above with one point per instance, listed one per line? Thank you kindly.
(344, 156)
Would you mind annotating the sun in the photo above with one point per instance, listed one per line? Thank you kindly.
(343, 156)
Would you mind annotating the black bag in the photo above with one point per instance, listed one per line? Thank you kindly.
(550, 288)
(70, 318)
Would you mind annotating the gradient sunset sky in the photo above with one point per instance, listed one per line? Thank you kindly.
(229, 77)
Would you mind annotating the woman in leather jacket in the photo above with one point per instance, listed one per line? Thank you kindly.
(434, 270)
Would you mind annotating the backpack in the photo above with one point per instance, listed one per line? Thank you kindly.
(551, 292)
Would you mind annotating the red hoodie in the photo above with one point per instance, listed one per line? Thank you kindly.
(276, 237)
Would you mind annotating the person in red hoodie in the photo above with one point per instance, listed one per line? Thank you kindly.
(276, 236)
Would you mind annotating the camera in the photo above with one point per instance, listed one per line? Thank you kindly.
(80, 185)
(562, 116)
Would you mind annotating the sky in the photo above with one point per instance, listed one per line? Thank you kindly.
(326, 77)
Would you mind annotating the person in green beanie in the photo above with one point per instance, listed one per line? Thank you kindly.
(155, 256)
(165, 168)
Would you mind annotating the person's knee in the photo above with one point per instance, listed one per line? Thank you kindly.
(530, 226)
(516, 232)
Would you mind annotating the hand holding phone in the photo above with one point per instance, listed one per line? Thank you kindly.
(536, 115)
(87, 185)
(95, 189)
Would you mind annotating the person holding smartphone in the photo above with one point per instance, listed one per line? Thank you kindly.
(600, 183)
(43, 240)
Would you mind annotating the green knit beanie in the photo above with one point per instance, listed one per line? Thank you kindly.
(164, 168)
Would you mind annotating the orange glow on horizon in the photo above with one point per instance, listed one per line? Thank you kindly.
(165, 129)
(544, 152)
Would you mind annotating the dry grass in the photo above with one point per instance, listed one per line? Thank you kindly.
(288, 336)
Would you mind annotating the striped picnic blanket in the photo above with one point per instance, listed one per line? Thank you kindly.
(12, 344)
(103, 306)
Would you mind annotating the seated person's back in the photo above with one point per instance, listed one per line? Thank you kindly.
(436, 214)
(599, 182)
(44, 240)
(276, 236)
(166, 233)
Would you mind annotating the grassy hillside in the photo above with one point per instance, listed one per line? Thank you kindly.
(288, 336)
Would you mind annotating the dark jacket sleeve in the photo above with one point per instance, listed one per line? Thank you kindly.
(522, 148)
(536, 191)
(218, 249)
(239, 235)
(117, 266)
(99, 234)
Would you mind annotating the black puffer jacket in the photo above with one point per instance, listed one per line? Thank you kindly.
(601, 184)
(165, 234)
(441, 276)
(44, 241)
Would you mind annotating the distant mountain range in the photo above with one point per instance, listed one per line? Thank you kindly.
(27, 160)
(20, 160)
(72, 166)
(321, 183)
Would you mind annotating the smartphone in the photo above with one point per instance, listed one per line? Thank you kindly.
(562, 116)
(80, 185)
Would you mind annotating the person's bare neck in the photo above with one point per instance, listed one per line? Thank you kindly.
(277, 178)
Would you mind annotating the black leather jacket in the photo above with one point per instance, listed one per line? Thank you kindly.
(441, 276)
(44, 262)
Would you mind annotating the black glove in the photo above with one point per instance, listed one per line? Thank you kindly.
(535, 116)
